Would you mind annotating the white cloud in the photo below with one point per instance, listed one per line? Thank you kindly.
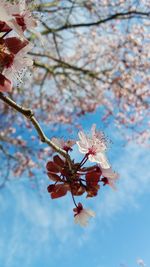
(133, 166)
(32, 226)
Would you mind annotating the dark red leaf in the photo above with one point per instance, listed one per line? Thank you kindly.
(59, 191)
(52, 167)
(4, 27)
(91, 194)
(66, 172)
(54, 177)
(77, 189)
(105, 181)
(92, 178)
(14, 44)
(58, 161)
(5, 84)
(20, 21)
(92, 191)
(50, 188)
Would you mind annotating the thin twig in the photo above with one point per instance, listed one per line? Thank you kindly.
(28, 113)
(121, 15)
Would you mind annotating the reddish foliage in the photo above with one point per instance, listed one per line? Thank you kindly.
(20, 21)
(14, 44)
(58, 161)
(54, 177)
(4, 27)
(52, 167)
(77, 180)
(57, 190)
(77, 189)
(92, 179)
(5, 84)
(105, 181)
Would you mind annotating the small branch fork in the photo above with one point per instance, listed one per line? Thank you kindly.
(120, 15)
(28, 113)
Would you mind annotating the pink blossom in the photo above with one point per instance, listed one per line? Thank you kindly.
(23, 16)
(109, 173)
(19, 63)
(4, 11)
(13, 59)
(94, 146)
(6, 16)
(17, 16)
(110, 177)
(82, 215)
(66, 145)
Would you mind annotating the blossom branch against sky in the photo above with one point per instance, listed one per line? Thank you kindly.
(95, 54)
(16, 19)
(29, 115)
(82, 68)
(71, 172)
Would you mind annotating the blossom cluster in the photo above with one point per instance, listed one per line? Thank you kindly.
(15, 19)
(77, 178)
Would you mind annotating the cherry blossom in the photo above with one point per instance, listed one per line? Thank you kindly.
(109, 173)
(106, 67)
(7, 18)
(23, 16)
(13, 59)
(17, 16)
(66, 145)
(76, 179)
(19, 63)
(94, 147)
(109, 177)
(82, 215)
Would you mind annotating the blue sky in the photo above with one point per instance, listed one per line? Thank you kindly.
(39, 232)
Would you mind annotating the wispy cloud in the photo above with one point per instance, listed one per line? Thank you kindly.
(133, 166)
(32, 227)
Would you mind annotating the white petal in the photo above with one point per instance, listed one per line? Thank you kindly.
(4, 15)
(22, 5)
(80, 220)
(82, 136)
(93, 130)
(27, 48)
(83, 217)
(90, 212)
(109, 173)
(82, 147)
(101, 158)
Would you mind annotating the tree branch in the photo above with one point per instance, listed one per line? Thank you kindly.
(65, 65)
(120, 15)
(28, 113)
